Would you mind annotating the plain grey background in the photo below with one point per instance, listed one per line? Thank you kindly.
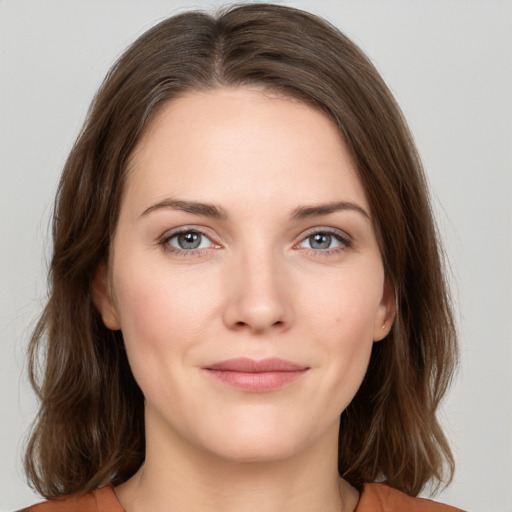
(449, 63)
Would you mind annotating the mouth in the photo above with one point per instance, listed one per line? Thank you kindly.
(256, 376)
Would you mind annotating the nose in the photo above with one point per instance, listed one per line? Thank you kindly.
(259, 295)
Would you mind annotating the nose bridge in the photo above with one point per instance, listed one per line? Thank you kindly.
(258, 298)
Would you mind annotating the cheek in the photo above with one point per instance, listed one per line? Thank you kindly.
(341, 318)
(163, 315)
(155, 300)
(345, 305)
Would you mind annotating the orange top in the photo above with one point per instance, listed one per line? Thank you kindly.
(382, 498)
(374, 498)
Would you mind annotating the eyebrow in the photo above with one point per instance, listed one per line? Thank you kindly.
(217, 212)
(303, 212)
(204, 209)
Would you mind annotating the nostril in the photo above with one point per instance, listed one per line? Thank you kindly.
(241, 324)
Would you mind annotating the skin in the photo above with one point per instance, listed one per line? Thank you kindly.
(258, 286)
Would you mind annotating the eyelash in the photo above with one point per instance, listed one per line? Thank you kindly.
(344, 240)
(165, 243)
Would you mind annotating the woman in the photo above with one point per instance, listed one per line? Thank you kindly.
(248, 309)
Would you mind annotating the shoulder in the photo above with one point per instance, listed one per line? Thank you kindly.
(101, 500)
(382, 498)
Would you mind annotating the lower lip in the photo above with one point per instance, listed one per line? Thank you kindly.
(257, 382)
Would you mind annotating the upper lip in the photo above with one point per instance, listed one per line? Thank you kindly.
(247, 365)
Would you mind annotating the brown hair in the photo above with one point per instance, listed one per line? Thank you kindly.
(90, 426)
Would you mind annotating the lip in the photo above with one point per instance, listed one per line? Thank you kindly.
(256, 376)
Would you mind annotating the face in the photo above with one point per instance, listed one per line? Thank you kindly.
(245, 275)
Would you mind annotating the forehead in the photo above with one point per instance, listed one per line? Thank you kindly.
(242, 142)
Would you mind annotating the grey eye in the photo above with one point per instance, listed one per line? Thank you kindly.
(189, 240)
(323, 241)
(320, 241)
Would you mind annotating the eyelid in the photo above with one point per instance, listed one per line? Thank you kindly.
(342, 236)
(325, 229)
(163, 240)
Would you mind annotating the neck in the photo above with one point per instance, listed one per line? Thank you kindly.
(180, 477)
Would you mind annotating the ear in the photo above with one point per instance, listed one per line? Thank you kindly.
(385, 314)
(103, 300)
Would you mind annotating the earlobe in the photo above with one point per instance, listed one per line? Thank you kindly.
(103, 300)
(386, 314)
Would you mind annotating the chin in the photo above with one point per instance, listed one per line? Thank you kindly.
(257, 449)
(260, 441)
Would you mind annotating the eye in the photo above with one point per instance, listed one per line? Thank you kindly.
(325, 241)
(189, 240)
(320, 241)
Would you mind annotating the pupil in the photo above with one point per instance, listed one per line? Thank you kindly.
(189, 240)
(320, 241)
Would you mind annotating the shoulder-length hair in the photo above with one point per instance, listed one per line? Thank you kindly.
(90, 427)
